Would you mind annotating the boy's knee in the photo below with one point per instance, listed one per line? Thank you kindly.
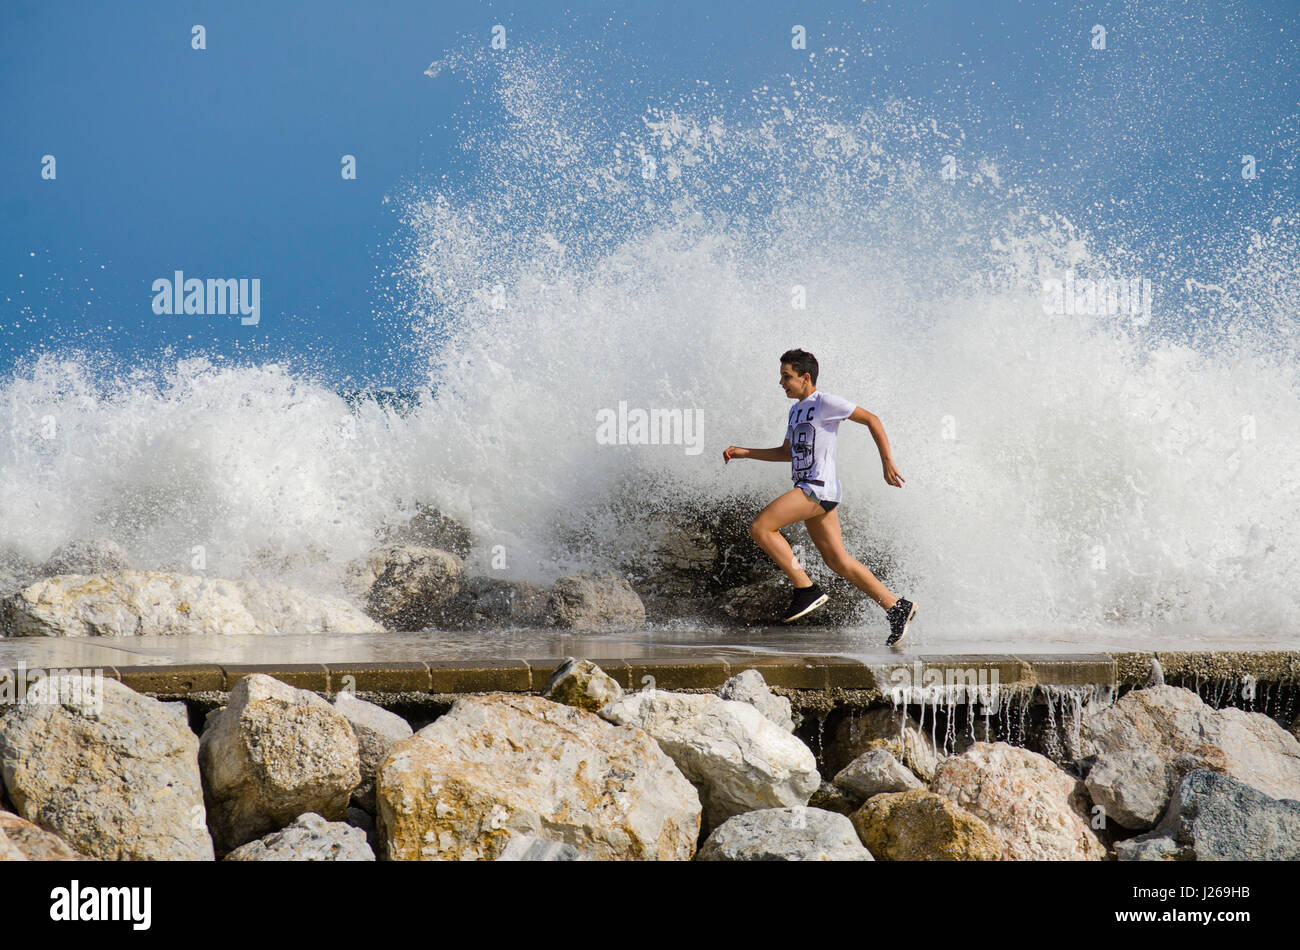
(755, 529)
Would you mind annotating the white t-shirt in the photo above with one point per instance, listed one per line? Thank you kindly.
(811, 428)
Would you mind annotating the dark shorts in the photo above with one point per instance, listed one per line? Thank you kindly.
(827, 506)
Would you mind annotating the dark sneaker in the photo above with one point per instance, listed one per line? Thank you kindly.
(899, 616)
(805, 601)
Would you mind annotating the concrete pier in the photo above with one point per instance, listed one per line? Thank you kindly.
(802, 659)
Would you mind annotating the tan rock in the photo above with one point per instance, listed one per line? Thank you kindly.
(917, 825)
(20, 840)
(1038, 811)
(889, 729)
(502, 765)
(583, 684)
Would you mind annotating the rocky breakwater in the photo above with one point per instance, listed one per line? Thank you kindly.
(589, 771)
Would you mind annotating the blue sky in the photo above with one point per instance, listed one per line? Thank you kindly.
(225, 162)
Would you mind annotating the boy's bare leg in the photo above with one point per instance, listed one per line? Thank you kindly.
(793, 506)
(825, 533)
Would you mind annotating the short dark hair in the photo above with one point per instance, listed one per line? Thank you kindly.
(801, 361)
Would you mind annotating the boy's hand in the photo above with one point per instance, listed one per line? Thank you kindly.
(891, 474)
(733, 452)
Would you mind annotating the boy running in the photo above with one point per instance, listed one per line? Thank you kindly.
(809, 447)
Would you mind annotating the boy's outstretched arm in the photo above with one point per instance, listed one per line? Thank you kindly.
(872, 422)
(780, 454)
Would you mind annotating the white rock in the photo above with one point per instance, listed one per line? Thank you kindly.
(874, 773)
(750, 687)
(272, 754)
(120, 782)
(785, 834)
(377, 729)
(309, 838)
(739, 759)
(528, 848)
(135, 603)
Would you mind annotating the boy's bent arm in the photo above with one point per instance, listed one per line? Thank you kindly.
(778, 454)
(872, 422)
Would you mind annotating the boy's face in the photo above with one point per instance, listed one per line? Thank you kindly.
(796, 387)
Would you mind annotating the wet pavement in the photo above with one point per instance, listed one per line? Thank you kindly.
(649, 643)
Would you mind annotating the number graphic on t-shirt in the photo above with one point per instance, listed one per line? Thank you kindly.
(801, 447)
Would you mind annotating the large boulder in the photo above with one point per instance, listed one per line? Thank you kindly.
(309, 838)
(785, 834)
(1038, 811)
(108, 770)
(134, 603)
(917, 825)
(414, 586)
(101, 556)
(359, 575)
(1214, 817)
(499, 766)
(883, 728)
(273, 753)
(684, 558)
(750, 687)
(20, 840)
(1141, 736)
(874, 773)
(429, 528)
(739, 759)
(494, 602)
(583, 684)
(594, 602)
(279, 609)
(376, 729)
